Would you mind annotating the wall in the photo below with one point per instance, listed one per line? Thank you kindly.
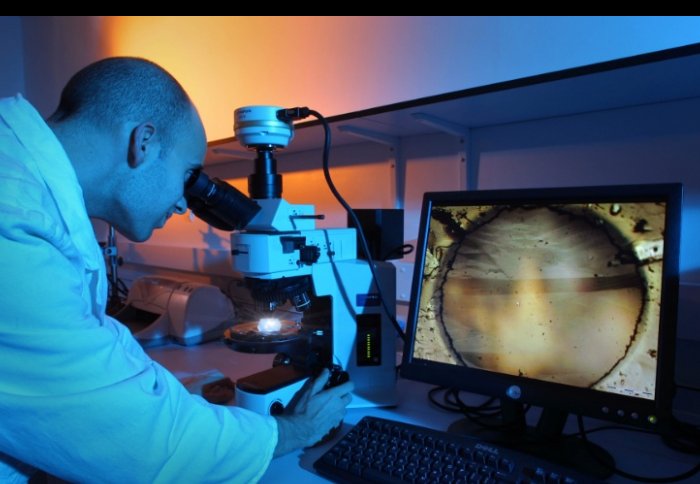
(54, 49)
(334, 64)
(11, 56)
(342, 64)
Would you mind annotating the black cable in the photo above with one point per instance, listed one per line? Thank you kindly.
(453, 403)
(400, 251)
(299, 112)
(474, 413)
(485, 409)
(434, 401)
(121, 287)
(678, 477)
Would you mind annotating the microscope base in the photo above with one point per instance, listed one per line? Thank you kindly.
(269, 392)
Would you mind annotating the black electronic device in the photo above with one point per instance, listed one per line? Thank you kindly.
(383, 229)
(561, 298)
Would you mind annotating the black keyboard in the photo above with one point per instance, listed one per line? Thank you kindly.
(380, 450)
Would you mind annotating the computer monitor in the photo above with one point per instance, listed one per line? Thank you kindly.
(561, 298)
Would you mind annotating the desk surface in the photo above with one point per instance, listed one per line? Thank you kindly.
(636, 453)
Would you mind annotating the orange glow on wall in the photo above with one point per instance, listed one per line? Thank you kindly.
(327, 63)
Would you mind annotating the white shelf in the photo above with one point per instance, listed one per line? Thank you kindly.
(657, 77)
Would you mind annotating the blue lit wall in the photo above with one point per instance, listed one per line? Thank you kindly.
(11, 56)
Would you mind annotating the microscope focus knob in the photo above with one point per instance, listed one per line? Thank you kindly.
(301, 301)
(309, 254)
(337, 376)
(276, 408)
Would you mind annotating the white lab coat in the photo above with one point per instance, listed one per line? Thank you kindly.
(78, 396)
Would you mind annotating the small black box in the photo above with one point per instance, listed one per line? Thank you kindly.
(383, 228)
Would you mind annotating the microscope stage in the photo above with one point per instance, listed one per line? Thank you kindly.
(248, 338)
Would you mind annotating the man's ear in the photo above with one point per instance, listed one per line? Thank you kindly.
(140, 140)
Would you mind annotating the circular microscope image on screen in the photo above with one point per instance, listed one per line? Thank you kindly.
(561, 293)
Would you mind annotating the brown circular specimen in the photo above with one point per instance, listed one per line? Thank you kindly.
(540, 293)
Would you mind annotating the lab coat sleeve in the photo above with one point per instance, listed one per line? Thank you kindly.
(78, 397)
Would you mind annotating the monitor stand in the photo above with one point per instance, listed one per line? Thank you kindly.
(544, 440)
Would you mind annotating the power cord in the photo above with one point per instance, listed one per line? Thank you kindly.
(303, 112)
(583, 434)
(452, 402)
(400, 251)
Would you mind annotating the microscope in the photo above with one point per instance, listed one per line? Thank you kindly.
(317, 304)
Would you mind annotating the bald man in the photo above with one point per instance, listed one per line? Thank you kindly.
(79, 399)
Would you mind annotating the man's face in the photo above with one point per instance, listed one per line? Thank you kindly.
(156, 189)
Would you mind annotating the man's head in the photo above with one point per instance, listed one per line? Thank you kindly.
(133, 137)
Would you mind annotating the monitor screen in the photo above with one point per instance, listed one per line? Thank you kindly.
(560, 298)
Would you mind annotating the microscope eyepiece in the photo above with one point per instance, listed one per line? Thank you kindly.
(218, 203)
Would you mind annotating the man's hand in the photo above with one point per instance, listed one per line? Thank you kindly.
(315, 413)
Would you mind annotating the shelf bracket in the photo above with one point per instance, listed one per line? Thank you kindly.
(394, 144)
(469, 164)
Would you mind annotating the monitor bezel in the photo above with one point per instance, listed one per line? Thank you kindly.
(649, 413)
